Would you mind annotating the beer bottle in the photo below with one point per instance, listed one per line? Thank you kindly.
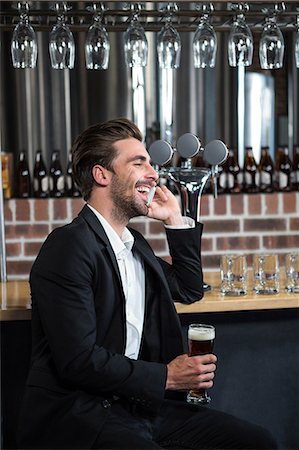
(266, 171)
(250, 172)
(40, 177)
(295, 169)
(71, 187)
(284, 170)
(7, 174)
(232, 169)
(56, 179)
(23, 187)
(221, 178)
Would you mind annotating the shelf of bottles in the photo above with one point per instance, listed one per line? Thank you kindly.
(43, 182)
(266, 175)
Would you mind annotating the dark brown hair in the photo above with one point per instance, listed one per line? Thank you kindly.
(95, 146)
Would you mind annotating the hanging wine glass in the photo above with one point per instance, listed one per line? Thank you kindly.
(97, 45)
(240, 41)
(205, 41)
(169, 44)
(24, 43)
(271, 48)
(297, 44)
(136, 46)
(61, 43)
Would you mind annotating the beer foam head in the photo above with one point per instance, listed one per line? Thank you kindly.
(201, 333)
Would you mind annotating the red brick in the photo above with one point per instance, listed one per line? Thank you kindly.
(77, 205)
(271, 203)
(266, 224)
(19, 267)
(289, 202)
(206, 244)
(282, 242)
(13, 249)
(236, 204)
(59, 209)
(32, 248)
(237, 243)
(294, 223)
(139, 226)
(7, 210)
(158, 245)
(22, 209)
(220, 205)
(41, 209)
(254, 203)
(204, 206)
(30, 231)
(210, 262)
(156, 227)
(221, 226)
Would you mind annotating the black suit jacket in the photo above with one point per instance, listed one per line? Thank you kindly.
(79, 331)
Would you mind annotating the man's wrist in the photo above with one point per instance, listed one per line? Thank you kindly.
(187, 222)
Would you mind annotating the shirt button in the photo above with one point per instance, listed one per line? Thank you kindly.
(106, 404)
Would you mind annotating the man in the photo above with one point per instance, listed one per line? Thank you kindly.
(108, 366)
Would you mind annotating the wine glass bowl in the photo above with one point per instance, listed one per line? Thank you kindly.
(204, 44)
(296, 46)
(271, 47)
(97, 45)
(24, 42)
(240, 43)
(61, 43)
(169, 46)
(135, 44)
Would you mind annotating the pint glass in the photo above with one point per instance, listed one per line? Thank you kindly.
(201, 341)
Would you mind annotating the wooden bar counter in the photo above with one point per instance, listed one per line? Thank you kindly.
(16, 303)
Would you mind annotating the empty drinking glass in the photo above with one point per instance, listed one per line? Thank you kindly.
(240, 43)
(266, 274)
(97, 45)
(169, 45)
(136, 46)
(271, 48)
(204, 44)
(61, 43)
(24, 43)
(292, 272)
(233, 269)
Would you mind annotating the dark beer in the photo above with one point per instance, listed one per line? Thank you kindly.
(201, 342)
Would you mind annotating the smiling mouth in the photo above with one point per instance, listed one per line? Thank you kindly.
(147, 193)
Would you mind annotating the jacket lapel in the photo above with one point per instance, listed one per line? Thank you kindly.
(87, 214)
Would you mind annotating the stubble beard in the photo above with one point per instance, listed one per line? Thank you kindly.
(125, 206)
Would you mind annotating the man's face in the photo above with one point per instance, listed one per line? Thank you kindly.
(132, 179)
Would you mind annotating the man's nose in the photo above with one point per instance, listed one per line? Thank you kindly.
(152, 173)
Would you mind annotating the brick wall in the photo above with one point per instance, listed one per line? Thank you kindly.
(236, 224)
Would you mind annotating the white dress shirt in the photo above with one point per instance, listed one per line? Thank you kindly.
(133, 281)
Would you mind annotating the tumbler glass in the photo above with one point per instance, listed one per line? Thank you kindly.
(266, 274)
(292, 272)
(233, 270)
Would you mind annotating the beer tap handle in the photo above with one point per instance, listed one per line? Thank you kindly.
(214, 180)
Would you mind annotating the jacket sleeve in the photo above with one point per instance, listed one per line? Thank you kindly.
(184, 275)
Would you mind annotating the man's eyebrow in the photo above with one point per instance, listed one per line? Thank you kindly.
(138, 158)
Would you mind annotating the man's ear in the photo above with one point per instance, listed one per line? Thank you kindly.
(101, 175)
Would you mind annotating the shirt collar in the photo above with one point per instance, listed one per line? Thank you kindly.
(118, 244)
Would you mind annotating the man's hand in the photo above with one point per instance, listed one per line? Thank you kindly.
(165, 207)
(195, 372)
